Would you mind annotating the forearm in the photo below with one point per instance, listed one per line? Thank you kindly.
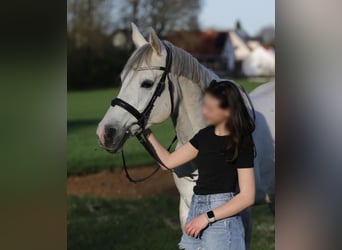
(233, 206)
(181, 155)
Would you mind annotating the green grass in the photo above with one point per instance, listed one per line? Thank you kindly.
(263, 228)
(85, 110)
(95, 224)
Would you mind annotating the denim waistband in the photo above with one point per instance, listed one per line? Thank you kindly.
(213, 197)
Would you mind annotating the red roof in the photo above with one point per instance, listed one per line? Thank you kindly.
(209, 42)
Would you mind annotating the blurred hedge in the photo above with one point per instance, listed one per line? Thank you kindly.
(94, 64)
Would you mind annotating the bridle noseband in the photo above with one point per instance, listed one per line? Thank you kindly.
(142, 117)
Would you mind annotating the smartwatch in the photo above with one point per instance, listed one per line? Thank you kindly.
(211, 216)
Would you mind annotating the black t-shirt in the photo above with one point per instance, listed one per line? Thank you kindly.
(215, 174)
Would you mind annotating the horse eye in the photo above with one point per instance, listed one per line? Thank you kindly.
(147, 84)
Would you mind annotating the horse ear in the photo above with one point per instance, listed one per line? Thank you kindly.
(137, 37)
(155, 42)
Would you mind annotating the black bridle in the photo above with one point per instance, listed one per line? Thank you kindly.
(142, 117)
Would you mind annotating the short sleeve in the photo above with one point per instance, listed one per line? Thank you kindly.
(246, 154)
(195, 140)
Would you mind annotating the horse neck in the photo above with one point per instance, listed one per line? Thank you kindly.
(188, 119)
(188, 97)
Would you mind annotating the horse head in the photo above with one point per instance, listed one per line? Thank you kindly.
(139, 78)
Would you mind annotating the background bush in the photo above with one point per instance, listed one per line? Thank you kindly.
(97, 65)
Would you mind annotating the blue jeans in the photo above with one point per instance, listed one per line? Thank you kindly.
(224, 234)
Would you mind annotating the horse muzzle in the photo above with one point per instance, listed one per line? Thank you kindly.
(112, 139)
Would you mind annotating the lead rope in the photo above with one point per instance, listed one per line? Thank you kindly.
(142, 141)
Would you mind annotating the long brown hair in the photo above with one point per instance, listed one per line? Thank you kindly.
(240, 122)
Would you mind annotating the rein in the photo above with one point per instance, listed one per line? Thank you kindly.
(142, 117)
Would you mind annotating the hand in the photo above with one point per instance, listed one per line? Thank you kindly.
(196, 225)
(147, 132)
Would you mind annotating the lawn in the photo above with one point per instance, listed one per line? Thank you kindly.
(149, 224)
(85, 110)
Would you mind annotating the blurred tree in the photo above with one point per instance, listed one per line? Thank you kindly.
(240, 31)
(162, 15)
(238, 25)
(93, 61)
(88, 21)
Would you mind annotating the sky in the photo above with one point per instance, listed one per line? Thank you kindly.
(222, 14)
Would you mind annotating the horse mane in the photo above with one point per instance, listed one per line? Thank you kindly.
(183, 64)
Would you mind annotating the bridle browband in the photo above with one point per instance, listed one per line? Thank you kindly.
(142, 117)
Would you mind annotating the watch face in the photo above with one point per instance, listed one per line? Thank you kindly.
(210, 214)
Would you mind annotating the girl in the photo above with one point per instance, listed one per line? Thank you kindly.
(224, 153)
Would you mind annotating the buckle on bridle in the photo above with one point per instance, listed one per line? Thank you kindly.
(139, 131)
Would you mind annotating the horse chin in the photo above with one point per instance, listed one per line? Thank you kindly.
(114, 149)
(117, 147)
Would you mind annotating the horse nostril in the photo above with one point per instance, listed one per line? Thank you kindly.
(111, 132)
(109, 135)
